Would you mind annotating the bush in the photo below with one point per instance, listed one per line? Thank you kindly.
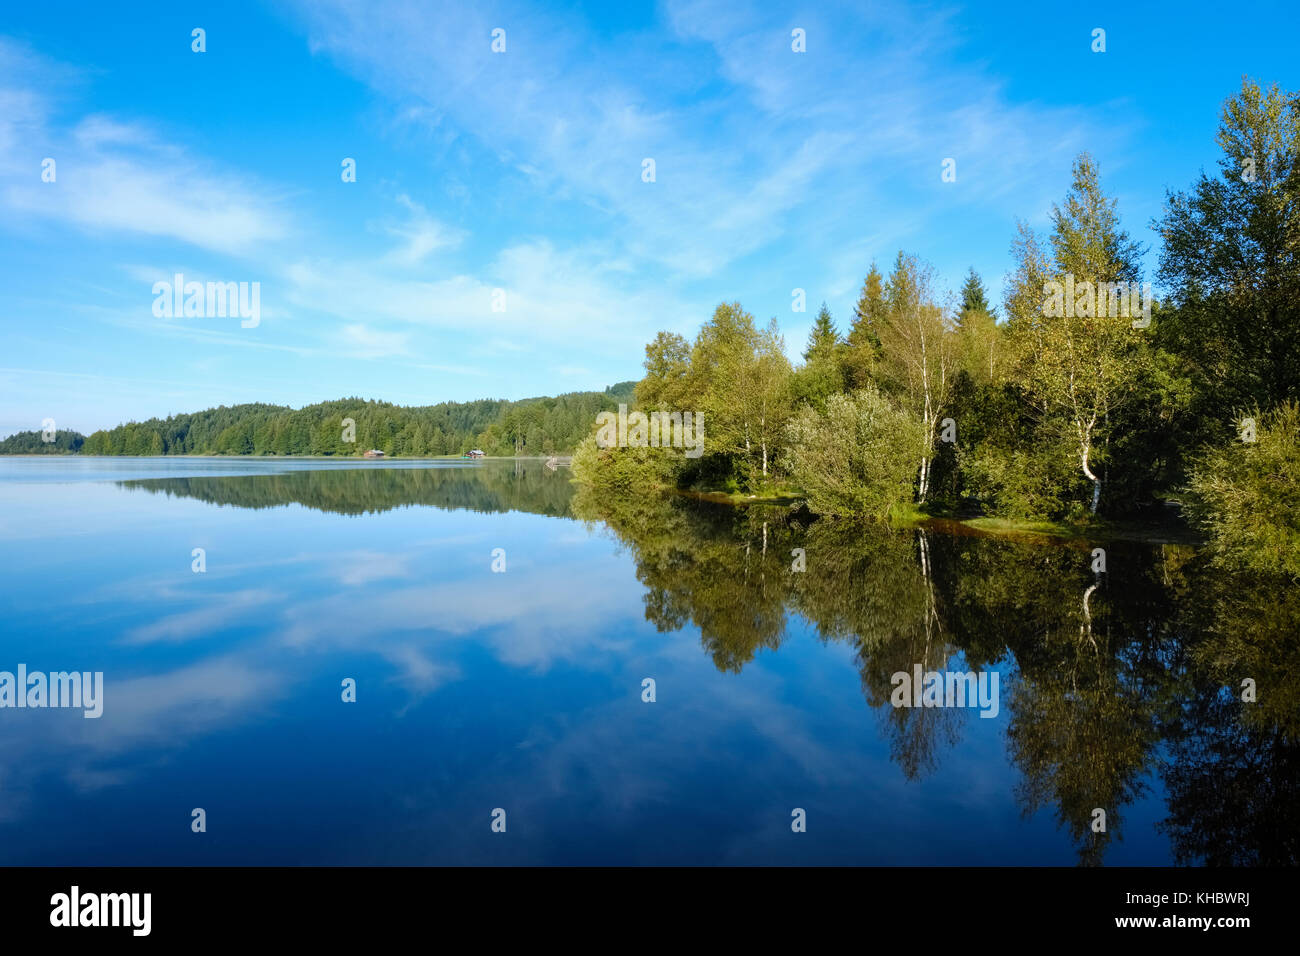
(1042, 482)
(1246, 496)
(858, 457)
(625, 469)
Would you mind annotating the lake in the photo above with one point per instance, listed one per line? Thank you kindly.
(501, 627)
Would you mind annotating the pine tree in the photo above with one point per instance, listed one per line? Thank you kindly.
(823, 339)
(973, 299)
(822, 374)
(863, 350)
(977, 332)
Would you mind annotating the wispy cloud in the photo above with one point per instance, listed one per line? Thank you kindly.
(768, 144)
(118, 175)
(420, 235)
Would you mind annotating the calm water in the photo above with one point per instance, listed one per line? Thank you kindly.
(522, 690)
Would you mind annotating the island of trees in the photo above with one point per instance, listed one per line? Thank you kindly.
(1078, 414)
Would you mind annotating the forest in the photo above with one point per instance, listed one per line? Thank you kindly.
(535, 426)
(34, 443)
(934, 404)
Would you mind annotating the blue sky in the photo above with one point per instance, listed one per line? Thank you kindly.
(522, 171)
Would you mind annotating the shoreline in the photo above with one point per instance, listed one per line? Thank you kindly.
(980, 526)
(561, 459)
(1170, 531)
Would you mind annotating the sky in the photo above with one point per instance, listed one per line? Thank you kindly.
(502, 237)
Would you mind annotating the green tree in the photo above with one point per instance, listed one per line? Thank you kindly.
(1078, 362)
(1246, 496)
(1231, 258)
(918, 354)
(742, 382)
(863, 350)
(858, 457)
(822, 374)
(823, 339)
(973, 298)
(667, 373)
(978, 334)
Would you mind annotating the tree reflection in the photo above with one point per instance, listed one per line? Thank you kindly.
(1097, 668)
(490, 487)
(1233, 770)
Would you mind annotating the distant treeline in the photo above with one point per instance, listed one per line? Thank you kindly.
(34, 443)
(534, 426)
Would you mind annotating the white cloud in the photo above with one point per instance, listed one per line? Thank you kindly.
(754, 145)
(420, 235)
(155, 195)
(576, 297)
(118, 176)
(363, 342)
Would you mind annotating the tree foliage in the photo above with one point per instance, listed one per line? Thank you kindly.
(536, 426)
(858, 457)
(1078, 361)
(1231, 256)
(34, 443)
(1246, 495)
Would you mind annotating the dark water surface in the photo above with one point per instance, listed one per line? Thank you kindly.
(522, 690)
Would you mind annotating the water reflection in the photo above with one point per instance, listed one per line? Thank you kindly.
(492, 488)
(1120, 690)
(1110, 679)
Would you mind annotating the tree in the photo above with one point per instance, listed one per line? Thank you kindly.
(972, 294)
(862, 351)
(858, 457)
(1078, 361)
(765, 394)
(65, 442)
(1231, 257)
(821, 375)
(978, 333)
(742, 379)
(918, 357)
(823, 339)
(667, 373)
(1246, 496)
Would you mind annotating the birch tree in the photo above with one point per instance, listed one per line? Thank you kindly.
(1078, 361)
(918, 351)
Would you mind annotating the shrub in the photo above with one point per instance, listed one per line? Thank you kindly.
(625, 469)
(1246, 496)
(858, 457)
(1042, 482)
